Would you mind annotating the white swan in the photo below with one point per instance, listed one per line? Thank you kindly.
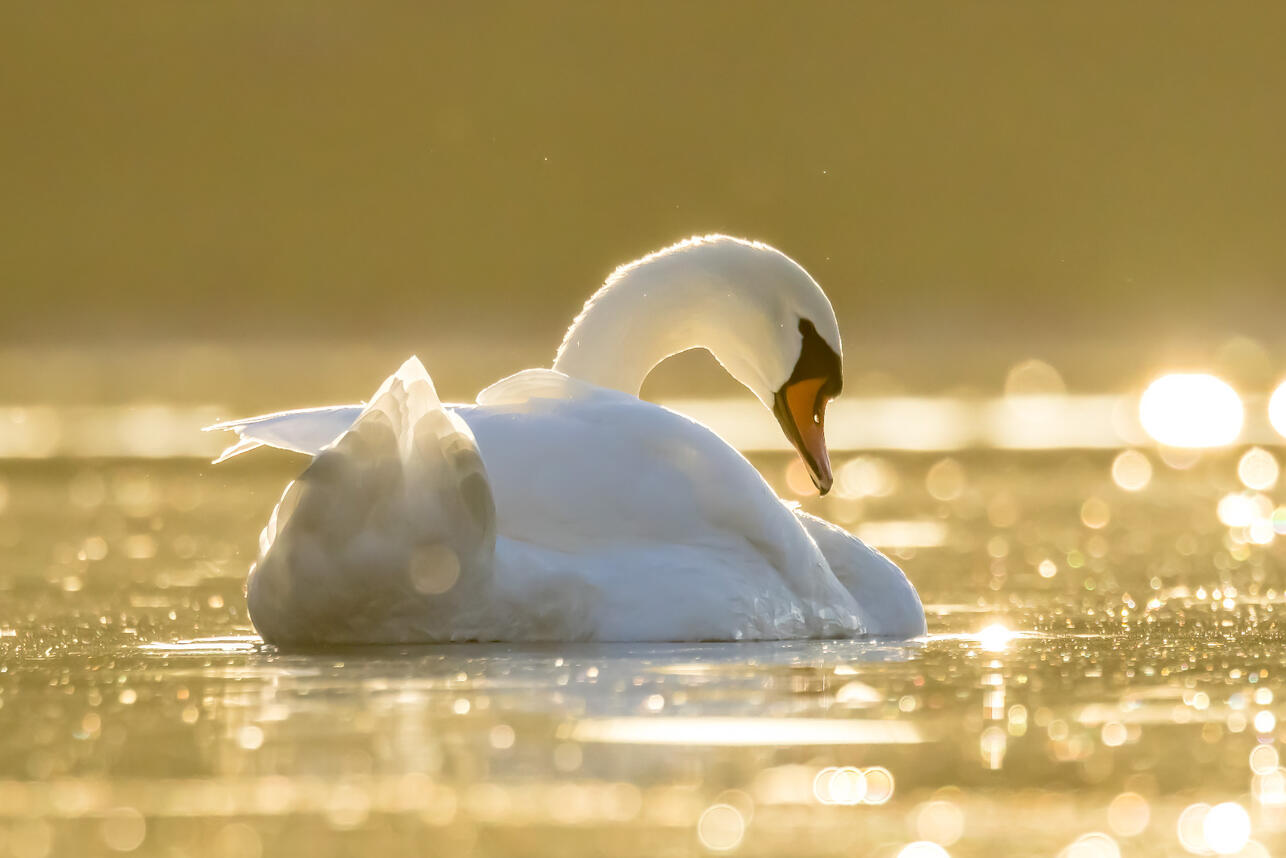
(563, 507)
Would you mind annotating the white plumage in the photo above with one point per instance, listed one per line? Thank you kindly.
(559, 508)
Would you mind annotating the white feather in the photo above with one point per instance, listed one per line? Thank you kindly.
(308, 430)
(566, 508)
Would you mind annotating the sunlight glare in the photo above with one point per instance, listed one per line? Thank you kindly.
(1226, 828)
(732, 731)
(1277, 409)
(1243, 509)
(995, 638)
(1191, 410)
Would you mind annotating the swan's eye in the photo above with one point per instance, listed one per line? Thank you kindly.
(818, 360)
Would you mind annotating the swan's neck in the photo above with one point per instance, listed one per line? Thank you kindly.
(654, 308)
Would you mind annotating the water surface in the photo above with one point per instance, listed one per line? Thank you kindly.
(1104, 657)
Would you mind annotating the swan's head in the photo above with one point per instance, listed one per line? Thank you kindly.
(779, 337)
(755, 309)
(799, 404)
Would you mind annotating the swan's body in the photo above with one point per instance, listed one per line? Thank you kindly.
(562, 507)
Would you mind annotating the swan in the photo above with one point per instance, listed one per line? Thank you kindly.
(561, 507)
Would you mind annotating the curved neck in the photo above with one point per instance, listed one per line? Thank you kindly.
(649, 310)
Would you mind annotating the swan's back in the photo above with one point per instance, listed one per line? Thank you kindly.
(674, 533)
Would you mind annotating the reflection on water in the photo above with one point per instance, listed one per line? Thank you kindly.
(1173, 414)
(1103, 676)
(1191, 410)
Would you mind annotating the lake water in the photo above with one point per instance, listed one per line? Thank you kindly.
(1103, 676)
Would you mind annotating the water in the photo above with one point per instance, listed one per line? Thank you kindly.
(1099, 661)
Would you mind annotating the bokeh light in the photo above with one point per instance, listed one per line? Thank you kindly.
(1264, 759)
(939, 821)
(1128, 814)
(1243, 509)
(1269, 787)
(1131, 470)
(798, 480)
(1093, 845)
(1226, 828)
(1114, 734)
(1253, 849)
(1095, 513)
(923, 849)
(1191, 828)
(879, 785)
(992, 745)
(945, 480)
(123, 829)
(721, 828)
(1277, 409)
(1258, 469)
(846, 786)
(1191, 410)
(865, 476)
(1033, 378)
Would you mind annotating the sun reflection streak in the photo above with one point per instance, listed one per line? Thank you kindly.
(1031, 419)
(682, 730)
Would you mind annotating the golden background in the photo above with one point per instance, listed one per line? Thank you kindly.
(1100, 184)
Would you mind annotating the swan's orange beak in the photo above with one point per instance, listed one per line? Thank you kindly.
(800, 408)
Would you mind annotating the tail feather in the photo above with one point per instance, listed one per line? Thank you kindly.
(387, 537)
(307, 430)
(245, 445)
